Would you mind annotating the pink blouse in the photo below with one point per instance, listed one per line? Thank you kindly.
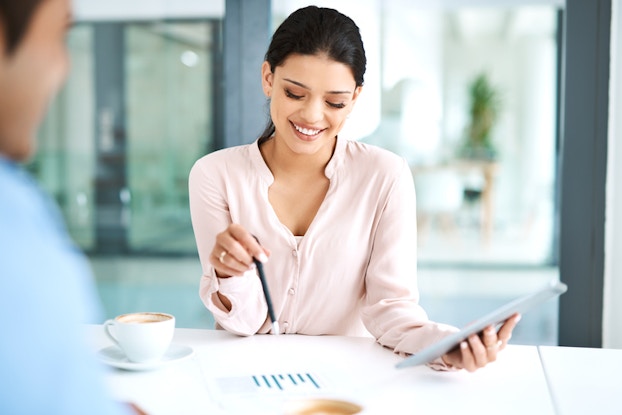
(353, 273)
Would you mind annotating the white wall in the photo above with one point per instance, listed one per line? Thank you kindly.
(612, 312)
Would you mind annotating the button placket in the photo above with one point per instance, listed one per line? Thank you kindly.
(291, 291)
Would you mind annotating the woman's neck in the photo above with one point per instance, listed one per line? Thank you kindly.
(280, 158)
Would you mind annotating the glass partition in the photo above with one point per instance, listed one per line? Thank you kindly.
(168, 80)
(65, 160)
(169, 86)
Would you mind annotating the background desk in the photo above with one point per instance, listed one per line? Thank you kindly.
(355, 369)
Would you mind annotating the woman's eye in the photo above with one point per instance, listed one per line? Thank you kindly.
(334, 105)
(290, 95)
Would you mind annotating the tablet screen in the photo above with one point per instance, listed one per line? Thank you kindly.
(519, 305)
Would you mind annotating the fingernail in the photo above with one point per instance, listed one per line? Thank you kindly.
(518, 318)
(252, 266)
(490, 330)
(463, 345)
(262, 257)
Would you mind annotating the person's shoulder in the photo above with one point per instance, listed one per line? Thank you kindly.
(220, 160)
(370, 156)
(21, 196)
(227, 154)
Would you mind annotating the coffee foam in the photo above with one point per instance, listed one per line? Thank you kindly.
(323, 407)
(143, 318)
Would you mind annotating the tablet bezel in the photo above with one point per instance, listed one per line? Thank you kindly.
(519, 305)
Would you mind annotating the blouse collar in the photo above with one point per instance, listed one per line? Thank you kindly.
(264, 172)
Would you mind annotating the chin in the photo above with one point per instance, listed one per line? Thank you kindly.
(23, 153)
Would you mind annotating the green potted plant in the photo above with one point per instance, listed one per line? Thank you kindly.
(484, 109)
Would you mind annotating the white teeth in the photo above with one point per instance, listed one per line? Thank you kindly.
(306, 131)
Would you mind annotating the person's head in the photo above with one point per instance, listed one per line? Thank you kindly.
(33, 65)
(313, 31)
(309, 42)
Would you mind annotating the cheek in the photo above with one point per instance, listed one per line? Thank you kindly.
(337, 120)
(279, 110)
(58, 69)
(51, 60)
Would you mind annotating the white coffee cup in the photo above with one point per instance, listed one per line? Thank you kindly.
(144, 337)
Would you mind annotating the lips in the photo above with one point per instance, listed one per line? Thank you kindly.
(309, 132)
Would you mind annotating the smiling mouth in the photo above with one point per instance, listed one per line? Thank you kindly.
(307, 131)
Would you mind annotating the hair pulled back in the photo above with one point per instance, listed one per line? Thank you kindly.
(316, 30)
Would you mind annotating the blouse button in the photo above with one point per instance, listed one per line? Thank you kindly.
(285, 324)
(292, 291)
(294, 253)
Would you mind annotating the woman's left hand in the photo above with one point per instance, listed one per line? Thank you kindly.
(476, 352)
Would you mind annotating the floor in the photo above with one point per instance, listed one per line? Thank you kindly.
(453, 295)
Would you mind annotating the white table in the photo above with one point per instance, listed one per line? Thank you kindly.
(584, 380)
(217, 379)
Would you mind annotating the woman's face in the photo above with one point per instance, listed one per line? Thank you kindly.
(311, 97)
(30, 76)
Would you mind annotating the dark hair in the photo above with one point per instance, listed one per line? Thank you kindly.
(15, 15)
(315, 30)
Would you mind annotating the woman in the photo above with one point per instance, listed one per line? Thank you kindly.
(335, 217)
(46, 288)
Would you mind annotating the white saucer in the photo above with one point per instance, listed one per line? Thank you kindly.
(115, 357)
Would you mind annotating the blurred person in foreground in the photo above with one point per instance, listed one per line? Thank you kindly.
(46, 285)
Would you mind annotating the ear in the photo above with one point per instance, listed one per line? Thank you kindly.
(357, 92)
(267, 78)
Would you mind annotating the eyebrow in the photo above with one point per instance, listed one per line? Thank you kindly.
(306, 87)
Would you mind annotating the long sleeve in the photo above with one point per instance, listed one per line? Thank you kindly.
(391, 312)
(209, 208)
(47, 291)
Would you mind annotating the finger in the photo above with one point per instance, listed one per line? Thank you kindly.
(225, 264)
(468, 360)
(251, 243)
(505, 332)
(235, 241)
(225, 256)
(491, 342)
(478, 349)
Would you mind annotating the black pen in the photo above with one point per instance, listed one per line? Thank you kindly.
(266, 293)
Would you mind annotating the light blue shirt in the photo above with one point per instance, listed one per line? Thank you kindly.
(46, 291)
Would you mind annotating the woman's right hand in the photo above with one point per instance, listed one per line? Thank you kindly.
(234, 251)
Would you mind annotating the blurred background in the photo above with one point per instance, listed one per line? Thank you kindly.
(466, 91)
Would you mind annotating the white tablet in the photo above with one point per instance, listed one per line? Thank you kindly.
(519, 305)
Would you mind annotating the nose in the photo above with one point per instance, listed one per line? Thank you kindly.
(312, 111)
